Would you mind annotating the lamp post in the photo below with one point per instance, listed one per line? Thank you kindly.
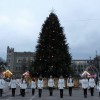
(90, 61)
(97, 64)
(90, 66)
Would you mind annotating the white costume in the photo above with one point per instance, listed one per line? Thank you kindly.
(40, 84)
(33, 84)
(70, 82)
(13, 83)
(98, 85)
(23, 84)
(2, 83)
(51, 82)
(91, 82)
(61, 83)
(85, 83)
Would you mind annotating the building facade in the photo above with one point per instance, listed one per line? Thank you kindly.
(18, 62)
(79, 66)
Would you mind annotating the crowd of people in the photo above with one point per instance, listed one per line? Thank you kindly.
(86, 84)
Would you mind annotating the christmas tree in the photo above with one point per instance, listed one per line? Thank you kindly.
(52, 51)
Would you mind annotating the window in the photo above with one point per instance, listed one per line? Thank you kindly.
(19, 60)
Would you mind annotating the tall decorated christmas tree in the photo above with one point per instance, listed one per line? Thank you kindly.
(52, 51)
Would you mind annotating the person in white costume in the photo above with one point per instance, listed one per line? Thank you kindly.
(23, 86)
(40, 85)
(70, 84)
(61, 85)
(51, 85)
(98, 86)
(13, 85)
(85, 85)
(2, 84)
(92, 85)
(33, 86)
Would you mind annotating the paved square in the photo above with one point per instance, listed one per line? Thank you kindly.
(77, 95)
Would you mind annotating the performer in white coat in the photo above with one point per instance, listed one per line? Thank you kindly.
(23, 86)
(92, 85)
(61, 85)
(13, 84)
(33, 86)
(85, 85)
(51, 85)
(40, 85)
(98, 87)
(70, 85)
(2, 84)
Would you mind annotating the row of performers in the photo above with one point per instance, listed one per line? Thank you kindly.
(40, 84)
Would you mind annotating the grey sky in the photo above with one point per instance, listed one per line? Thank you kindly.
(21, 21)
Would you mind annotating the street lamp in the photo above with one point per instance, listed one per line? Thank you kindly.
(97, 64)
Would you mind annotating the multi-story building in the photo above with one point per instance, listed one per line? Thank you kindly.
(79, 66)
(18, 62)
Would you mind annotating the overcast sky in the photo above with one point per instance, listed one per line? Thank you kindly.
(21, 21)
